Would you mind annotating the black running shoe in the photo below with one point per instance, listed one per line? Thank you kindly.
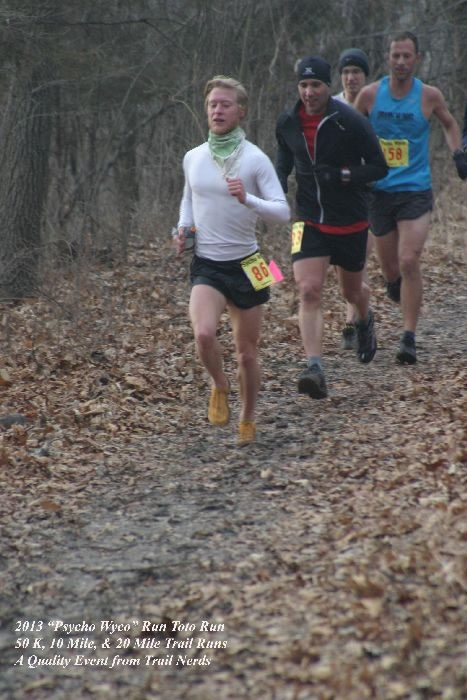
(367, 345)
(407, 354)
(393, 290)
(313, 383)
(349, 337)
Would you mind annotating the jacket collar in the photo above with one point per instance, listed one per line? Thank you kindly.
(329, 112)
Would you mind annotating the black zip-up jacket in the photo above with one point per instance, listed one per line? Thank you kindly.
(344, 139)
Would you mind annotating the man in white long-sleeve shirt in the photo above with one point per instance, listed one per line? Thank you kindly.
(229, 183)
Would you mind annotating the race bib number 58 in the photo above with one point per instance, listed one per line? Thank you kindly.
(396, 152)
(256, 269)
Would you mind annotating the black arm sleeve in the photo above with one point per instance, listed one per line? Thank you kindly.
(284, 160)
(374, 165)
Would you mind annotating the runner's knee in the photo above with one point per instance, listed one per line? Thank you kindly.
(246, 356)
(205, 338)
(310, 292)
(409, 263)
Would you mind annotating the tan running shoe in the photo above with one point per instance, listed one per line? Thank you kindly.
(246, 431)
(218, 412)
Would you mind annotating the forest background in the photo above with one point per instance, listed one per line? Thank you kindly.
(100, 100)
(334, 549)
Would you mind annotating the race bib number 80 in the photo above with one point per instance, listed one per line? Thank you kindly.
(256, 269)
(396, 152)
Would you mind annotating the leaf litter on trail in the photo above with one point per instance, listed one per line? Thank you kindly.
(333, 550)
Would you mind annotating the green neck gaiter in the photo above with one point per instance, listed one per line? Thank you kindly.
(223, 146)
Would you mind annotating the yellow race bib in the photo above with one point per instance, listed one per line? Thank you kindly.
(297, 235)
(396, 152)
(256, 269)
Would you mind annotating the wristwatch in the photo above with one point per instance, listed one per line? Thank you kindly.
(345, 175)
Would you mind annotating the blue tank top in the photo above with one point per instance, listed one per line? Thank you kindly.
(404, 134)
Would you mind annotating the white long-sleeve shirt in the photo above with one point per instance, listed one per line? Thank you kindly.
(225, 228)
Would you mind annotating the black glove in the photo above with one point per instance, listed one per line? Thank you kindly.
(460, 159)
(327, 175)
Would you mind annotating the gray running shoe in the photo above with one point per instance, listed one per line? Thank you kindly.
(407, 354)
(313, 383)
(393, 290)
(349, 337)
(367, 345)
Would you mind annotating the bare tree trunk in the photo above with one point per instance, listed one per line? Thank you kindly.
(25, 144)
(127, 185)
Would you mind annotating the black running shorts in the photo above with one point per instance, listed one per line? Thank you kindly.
(348, 250)
(229, 279)
(387, 208)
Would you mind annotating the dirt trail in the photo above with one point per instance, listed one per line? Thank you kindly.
(327, 560)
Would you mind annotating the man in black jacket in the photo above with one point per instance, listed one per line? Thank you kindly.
(335, 153)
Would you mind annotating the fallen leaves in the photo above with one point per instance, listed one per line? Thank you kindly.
(333, 549)
(138, 383)
(5, 379)
(50, 506)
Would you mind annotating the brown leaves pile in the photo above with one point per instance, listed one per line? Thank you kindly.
(356, 585)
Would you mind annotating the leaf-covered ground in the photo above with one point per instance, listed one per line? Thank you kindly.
(329, 557)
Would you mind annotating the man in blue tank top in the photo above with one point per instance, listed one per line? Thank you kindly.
(399, 107)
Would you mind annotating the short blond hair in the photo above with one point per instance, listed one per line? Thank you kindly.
(224, 81)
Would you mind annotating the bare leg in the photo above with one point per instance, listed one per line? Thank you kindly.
(412, 236)
(246, 325)
(206, 307)
(388, 255)
(349, 308)
(310, 274)
(355, 291)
